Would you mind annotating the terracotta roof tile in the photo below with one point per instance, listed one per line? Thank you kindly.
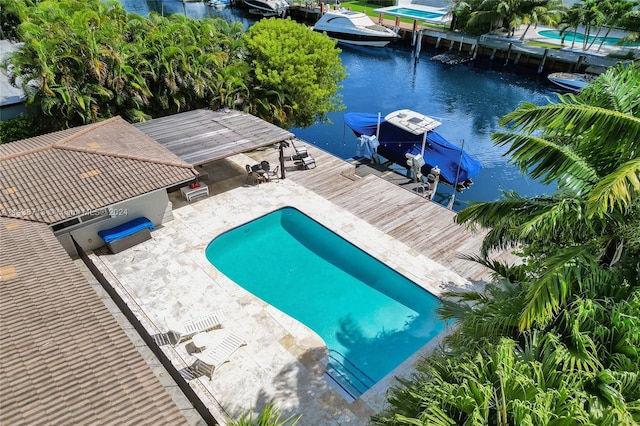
(61, 180)
(65, 360)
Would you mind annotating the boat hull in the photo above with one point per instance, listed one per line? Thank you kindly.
(570, 81)
(266, 8)
(360, 39)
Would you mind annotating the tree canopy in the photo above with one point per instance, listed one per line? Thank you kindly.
(295, 73)
(85, 61)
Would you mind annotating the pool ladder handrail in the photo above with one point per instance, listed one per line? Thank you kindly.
(362, 377)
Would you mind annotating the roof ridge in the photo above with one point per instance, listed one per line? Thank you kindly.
(182, 164)
(65, 140)
(88, 128)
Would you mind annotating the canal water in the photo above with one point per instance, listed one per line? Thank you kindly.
(468, 99)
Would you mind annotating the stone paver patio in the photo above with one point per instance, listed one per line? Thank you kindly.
(168, 278)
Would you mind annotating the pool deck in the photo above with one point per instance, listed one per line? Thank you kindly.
(168, 278)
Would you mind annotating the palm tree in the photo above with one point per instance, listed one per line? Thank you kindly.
(590, 146)
(540, 11)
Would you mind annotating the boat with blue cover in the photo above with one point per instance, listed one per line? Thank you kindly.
(404, 135)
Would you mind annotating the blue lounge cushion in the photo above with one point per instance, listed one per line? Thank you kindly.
(126, 229)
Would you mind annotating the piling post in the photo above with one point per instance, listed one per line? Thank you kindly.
(438, 42)
(461, 41)
(322, 11)
(493, 54)
(581, 58)
(418, 46)
(414, 33)
(380, 19)
(506, 62)
(475, 50)
(544, 58)
(517, 58)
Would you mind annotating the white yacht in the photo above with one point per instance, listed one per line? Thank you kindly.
(267, 7)
(354, 28)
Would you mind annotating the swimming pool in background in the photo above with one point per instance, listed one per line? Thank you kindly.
(418, 12)
(579, 37)
(371, 317)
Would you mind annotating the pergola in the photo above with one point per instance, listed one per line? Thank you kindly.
(202, 136)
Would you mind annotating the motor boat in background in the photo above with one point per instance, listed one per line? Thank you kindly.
(571, 81)
(408, 135)
(219, 3)
(267, 8)
(354, 28)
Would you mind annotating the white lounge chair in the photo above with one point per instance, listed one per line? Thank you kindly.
(301, 151)
(214, 357)
(179, 332)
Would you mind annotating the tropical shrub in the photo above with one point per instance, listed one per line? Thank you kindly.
(295, 73)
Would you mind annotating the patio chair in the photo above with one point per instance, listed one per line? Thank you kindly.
(211, 359)
(273, 174)
(301, 151)
(179, 332)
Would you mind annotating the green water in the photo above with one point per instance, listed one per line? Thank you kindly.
(362, 308)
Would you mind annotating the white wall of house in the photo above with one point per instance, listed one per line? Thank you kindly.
(152, 206)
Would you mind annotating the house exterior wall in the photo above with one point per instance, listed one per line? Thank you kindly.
(152, 206)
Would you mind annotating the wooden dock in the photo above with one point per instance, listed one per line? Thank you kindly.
(423, 225)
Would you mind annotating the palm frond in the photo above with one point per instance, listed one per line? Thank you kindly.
(617, 190)
(562, 272)
(547, 160)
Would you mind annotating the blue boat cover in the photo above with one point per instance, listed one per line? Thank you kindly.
(395, 142)
(126, 229)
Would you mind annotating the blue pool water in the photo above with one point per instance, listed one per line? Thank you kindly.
(413, 13)
(579, 37)
(364, 310)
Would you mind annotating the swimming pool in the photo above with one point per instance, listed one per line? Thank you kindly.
(417, 12)
(370, 317)
(579, 37)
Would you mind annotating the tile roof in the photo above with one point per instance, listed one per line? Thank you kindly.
(201, 136)
(64, 174)
(65, 359)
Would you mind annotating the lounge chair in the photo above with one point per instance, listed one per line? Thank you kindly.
(307, 162)
(179, 332)
(301, 151)
(214, 357)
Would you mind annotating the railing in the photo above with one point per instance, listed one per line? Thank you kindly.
(348, 376)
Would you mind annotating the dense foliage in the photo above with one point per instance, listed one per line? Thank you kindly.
(595, 18)
(84, 61)
(556, 338)
(295, 73)
(21, 127)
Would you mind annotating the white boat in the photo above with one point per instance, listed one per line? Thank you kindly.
(354, 28)
(571, 81)
(219, 3)
(267, 7)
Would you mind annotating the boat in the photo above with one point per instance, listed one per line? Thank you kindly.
(571, 81)
(267, 8)
(354, 28)
(219, 3)
(405, 135)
